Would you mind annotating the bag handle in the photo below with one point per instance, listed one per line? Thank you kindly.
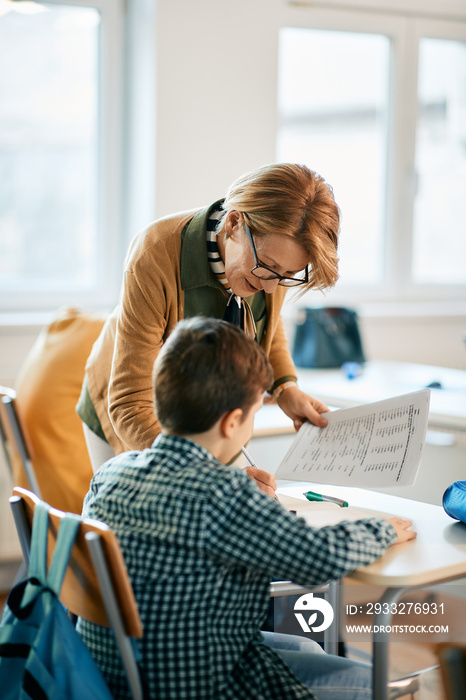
(65, 540)
(23, 596)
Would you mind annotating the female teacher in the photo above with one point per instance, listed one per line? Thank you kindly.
(235, 259)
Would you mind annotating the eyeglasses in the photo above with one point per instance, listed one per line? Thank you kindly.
(266, 273)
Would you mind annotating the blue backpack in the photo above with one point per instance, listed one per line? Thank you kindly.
(41, 654)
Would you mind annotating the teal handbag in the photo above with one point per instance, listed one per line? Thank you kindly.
(41, 654)
(327, 337)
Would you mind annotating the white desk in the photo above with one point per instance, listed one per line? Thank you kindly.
(380, 380)
(437, 555)
(444, 459)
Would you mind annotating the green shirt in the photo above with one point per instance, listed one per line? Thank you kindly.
(203, 294)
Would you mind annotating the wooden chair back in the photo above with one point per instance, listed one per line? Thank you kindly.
(81, 593)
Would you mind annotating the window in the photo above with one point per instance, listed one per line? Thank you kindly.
(333, 94)
(56, 146)
(439, 243)
(377, 105)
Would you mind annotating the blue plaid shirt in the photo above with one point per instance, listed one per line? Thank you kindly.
(201, 544)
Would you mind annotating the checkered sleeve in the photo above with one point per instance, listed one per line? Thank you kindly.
(249, 528)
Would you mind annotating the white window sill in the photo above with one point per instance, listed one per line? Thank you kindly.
(384, 309)
(32, 319)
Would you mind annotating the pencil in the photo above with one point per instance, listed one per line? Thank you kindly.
(253, 464)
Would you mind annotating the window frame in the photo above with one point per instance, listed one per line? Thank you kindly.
(404, 31)
(110, 167)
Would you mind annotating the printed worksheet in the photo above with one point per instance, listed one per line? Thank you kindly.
(369, 446)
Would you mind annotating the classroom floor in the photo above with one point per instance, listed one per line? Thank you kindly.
(407, 654)
(404, 659)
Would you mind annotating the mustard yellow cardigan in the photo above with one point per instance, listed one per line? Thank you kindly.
(157, 281)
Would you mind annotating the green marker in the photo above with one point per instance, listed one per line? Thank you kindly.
(312, 496)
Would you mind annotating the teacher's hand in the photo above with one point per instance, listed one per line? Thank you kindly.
(264, 480)
(301, 407)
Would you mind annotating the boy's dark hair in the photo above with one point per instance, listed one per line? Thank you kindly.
(206, 368)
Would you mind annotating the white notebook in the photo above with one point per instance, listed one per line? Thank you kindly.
(319, 514)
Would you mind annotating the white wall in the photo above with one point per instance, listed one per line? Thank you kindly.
(429, 340)
(216, 118)
(216, 66)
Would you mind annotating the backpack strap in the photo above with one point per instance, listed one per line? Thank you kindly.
(38, 559)
(65, 540)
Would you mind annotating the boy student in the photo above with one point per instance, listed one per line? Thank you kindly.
(202, 542)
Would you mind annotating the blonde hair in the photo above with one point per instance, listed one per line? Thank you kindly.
(291, 199)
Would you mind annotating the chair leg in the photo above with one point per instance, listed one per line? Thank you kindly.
(108, 595)
(331, 633)
(22, 526)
